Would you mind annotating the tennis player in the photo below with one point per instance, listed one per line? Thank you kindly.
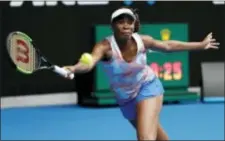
(138, 91)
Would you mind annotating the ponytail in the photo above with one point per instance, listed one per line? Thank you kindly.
(137, 22)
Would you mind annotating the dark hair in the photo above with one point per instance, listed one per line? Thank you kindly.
(137, 22)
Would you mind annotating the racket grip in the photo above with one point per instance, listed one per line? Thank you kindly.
(63, 72)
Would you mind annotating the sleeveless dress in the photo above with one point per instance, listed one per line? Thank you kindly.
(131, 81)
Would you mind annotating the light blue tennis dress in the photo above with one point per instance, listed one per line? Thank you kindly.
(131, 82)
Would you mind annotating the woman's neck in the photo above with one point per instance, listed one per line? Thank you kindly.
(122, 43)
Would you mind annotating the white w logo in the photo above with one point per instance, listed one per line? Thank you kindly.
(40, 3)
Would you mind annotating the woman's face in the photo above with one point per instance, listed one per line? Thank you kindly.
(123, 27)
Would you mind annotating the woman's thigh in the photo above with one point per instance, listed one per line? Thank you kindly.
(148, 111)
(149, 91)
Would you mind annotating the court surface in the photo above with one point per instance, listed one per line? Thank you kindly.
(182, 122)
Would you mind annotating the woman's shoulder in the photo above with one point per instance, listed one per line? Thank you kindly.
(104, 44)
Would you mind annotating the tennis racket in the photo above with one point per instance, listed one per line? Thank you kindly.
(27, 58)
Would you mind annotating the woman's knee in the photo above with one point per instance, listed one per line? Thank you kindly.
(146, 136)
(161, 134)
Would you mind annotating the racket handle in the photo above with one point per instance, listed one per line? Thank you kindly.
(62, 72)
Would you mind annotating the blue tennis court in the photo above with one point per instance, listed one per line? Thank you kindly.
(182, 122)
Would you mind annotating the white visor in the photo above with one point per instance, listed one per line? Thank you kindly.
(122, 11)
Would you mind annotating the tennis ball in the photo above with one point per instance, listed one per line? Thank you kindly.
(86, 58)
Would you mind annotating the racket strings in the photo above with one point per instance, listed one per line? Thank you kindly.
(22, 53)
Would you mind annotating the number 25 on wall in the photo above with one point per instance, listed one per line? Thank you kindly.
(169, 71)
(172, 71)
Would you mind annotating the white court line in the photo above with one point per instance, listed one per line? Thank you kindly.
(39, 100)
(49, 99)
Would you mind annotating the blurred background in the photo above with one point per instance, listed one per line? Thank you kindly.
(46, 106)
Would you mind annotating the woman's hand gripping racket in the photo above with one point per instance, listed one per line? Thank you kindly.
(28, 58)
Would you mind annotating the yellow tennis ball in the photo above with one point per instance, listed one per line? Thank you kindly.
(86, 58)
